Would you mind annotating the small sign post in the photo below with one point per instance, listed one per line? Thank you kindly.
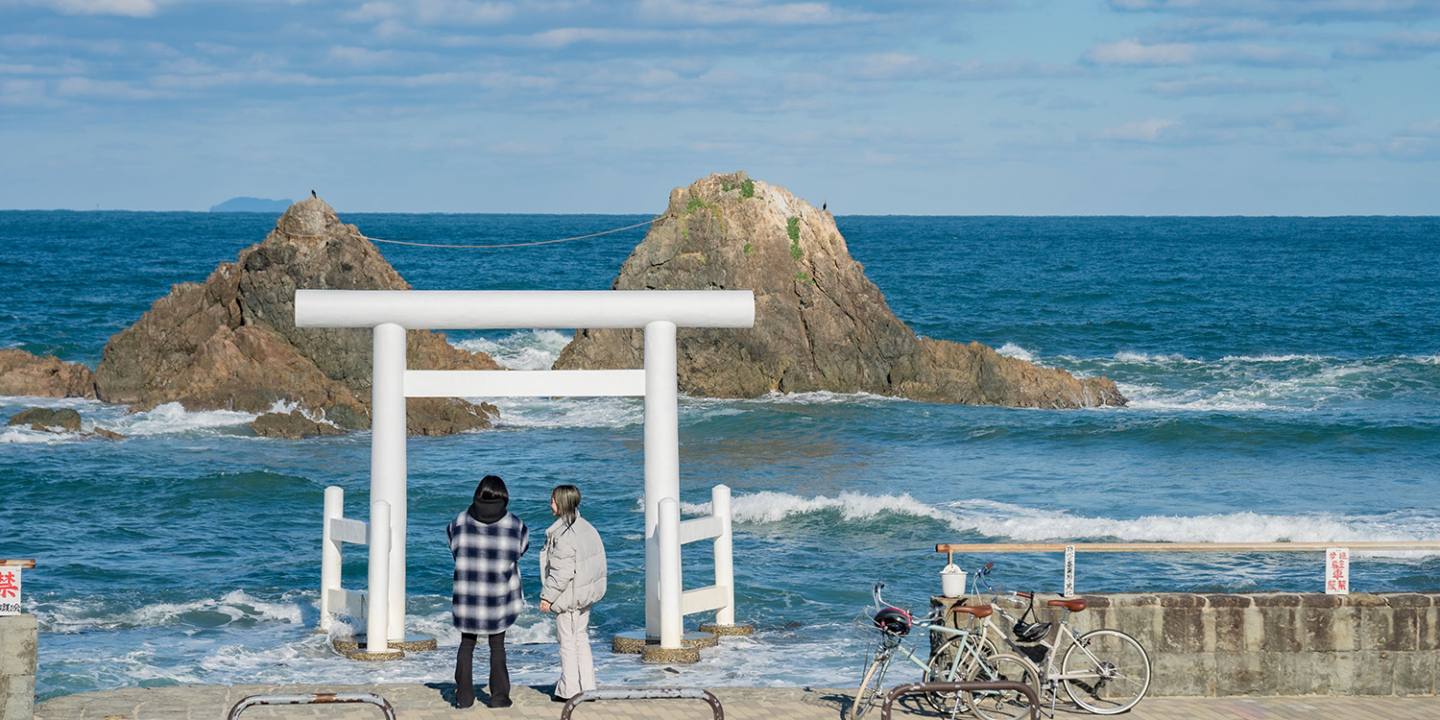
(1337, 571)
(9, 590)
(1069, 571)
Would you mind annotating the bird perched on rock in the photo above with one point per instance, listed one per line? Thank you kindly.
(312, 194)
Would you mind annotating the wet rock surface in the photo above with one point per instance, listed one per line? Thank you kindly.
(29, 375)
(47, 419)
(820, 324)
(231, 343)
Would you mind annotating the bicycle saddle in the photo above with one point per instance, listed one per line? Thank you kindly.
(978, 611)
(1073, 605)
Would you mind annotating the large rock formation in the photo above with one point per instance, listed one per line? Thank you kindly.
(820, 324)
(231, 342)
(24, 374)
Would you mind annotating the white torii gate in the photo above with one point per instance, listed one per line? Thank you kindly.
(391, 312)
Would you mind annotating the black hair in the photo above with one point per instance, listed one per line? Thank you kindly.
(492, 488)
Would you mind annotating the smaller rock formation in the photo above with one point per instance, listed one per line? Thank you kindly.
(231, 342)
(62, 420)
(24, 374)
(48, 420)
(292, 425)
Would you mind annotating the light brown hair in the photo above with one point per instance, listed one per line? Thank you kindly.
(567, 502)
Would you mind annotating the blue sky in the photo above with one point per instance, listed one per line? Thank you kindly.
(1030, 107)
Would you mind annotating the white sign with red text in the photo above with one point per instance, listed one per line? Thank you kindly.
(9, 590)
(1337, 571)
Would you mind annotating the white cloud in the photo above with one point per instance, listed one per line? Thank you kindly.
(1146, 131)
(1264, 55)
(24, 92)
(108, 89)
(1132, 52)
(1213, 85)
(130, 8)
(1291, 10)
(362, 57)
(391, 16)
(1428, 128)
(749, 12)
(565, 37)
(1302, 116)
(1394, 46)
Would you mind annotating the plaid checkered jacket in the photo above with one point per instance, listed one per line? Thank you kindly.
(487, 596)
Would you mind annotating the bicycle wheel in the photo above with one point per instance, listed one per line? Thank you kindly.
(950, 663)
(1003, 704)
(871, 687)
(1106, 671)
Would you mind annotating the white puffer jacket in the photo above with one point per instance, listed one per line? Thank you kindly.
(572, 566)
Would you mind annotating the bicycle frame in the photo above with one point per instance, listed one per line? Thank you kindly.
(968, 650)
(1060, 643)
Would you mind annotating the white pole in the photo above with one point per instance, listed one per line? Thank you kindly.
(330, 553)
(387, 462)
(376, 614)
(662, 455)
(724, 554)
(669, 541)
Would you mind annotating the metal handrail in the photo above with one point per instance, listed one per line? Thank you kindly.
(958, 687)
(1182, 547)
(645, 694)
(312, 699)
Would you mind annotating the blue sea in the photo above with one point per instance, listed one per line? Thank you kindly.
(1283, 373)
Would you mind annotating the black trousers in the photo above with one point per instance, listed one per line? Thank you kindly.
(499, 674)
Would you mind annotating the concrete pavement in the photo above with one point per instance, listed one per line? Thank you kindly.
(434, 702)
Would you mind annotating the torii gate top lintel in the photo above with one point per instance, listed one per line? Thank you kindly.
(515, 309)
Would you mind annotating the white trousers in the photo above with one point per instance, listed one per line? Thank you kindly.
(577, 671)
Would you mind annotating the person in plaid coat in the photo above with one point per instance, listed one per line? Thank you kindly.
(487, 542)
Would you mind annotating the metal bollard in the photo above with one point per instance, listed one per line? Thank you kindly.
(912, 688)
(312, 699)
(647, 694)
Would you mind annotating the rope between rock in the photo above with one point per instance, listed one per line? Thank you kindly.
(477, 247)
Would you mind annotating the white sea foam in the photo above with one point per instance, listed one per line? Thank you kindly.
(769, 507)
(1274, 358)
(83, 614)
(522, 350)
(173, 418)
(1004, 521)
(26, 436)
(568, 412)
(1127, 356)
(1144, 397)
(1015, 351)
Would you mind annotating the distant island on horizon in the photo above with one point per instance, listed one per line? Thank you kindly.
(250, 204)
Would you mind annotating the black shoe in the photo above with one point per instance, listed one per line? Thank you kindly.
(501, 702)
(557, 698)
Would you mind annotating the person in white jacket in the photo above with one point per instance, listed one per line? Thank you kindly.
(572, 572)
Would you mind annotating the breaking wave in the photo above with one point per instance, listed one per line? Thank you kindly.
(1016, 523)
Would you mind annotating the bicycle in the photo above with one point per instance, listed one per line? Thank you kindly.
(1103, 671)
(965, 656)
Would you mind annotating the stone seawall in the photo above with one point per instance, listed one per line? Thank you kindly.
(1265, 644)
(17, 666)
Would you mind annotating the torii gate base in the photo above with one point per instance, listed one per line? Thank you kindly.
(659, 312)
